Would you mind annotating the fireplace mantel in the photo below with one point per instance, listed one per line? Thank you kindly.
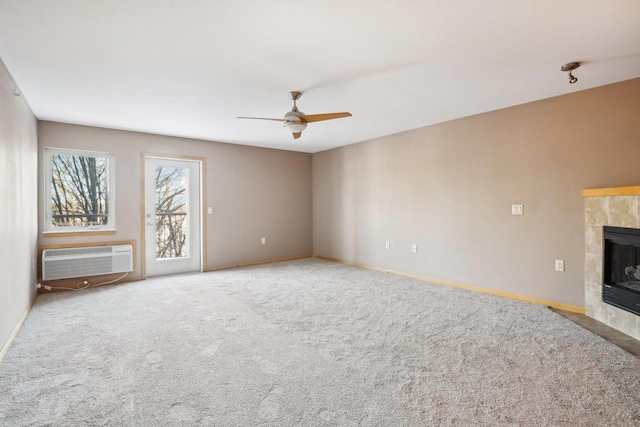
(615, 207)
(613, 191)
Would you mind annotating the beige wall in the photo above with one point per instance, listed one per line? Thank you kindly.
(449, 189)
(254, 192)
(18, 205)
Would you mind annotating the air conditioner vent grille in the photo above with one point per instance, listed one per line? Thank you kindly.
(79, 251)
(84, 262)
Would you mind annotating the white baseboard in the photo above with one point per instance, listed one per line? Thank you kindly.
(5, 349)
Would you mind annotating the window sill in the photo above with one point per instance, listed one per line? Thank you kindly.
(78, 233)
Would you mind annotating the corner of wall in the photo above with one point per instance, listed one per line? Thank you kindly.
(18, 184)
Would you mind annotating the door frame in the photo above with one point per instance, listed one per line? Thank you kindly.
(203, 207)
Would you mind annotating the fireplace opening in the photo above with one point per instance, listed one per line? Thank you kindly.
(621, 278)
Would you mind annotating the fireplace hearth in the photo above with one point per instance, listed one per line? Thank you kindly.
(621, 268)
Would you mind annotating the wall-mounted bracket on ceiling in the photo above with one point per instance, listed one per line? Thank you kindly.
(570, 67)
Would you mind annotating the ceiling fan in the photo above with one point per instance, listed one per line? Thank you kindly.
(296, 121)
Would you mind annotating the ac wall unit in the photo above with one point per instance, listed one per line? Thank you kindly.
(68, 263)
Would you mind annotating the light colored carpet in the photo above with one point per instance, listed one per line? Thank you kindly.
(308, 342)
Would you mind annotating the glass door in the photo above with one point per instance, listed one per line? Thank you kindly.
(172, 216)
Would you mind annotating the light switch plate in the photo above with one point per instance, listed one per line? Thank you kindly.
(559, 265)
(517, 210)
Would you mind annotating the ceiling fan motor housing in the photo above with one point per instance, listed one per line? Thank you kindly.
(293, 122)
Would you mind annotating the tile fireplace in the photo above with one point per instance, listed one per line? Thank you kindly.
(612, 217)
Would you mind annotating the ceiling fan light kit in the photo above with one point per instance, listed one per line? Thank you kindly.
(294, 127)
(570, 67)
(296, 121)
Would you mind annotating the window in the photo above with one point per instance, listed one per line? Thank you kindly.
(79, 190)
(172, 202)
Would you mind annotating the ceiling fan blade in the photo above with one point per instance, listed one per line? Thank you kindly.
(296, 135)
(263, 118)
(320, 117)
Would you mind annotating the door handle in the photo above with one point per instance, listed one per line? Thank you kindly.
(150, 223)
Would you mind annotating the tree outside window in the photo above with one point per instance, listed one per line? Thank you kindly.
(80, 190)
(172, 227)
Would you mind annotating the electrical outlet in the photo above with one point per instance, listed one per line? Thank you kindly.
(264, 240)
(414, 249)
(517, 210)
(209, 210)
(559, 265)
(387, 245)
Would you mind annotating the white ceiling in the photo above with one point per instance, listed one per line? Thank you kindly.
(188, 68)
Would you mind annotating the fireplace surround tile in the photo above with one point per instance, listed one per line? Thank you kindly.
(593, 268)
(616, 207)
(593, 239)
(623, 321)
(596, 210)
(623, 211)
(593, 303)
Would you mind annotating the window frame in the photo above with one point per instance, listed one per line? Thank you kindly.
(49, 228)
